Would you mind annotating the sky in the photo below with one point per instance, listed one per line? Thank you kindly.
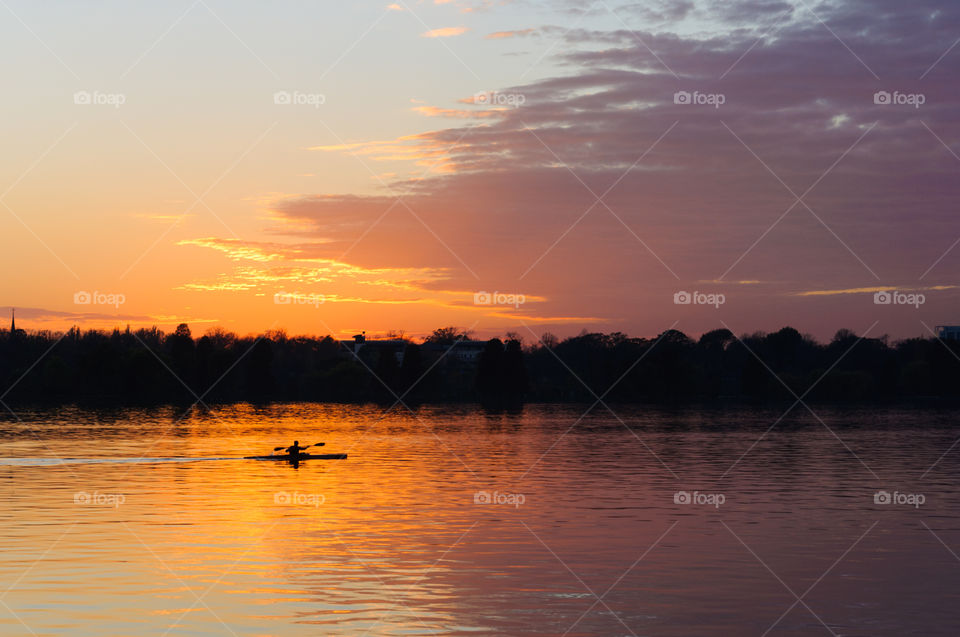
(497, 165)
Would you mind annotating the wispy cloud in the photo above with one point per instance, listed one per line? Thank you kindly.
(435, 111)
(500, 35)
(871, 290)
(444, 32)
(269, 268)
(29, 317)
(726, 282)
(165, 218)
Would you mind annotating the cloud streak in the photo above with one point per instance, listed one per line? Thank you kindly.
(444, 32)
(502, 35)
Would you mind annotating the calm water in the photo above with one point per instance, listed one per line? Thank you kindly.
(586, 533)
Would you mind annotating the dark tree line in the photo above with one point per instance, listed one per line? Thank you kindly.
(757, 367)
(149, 366)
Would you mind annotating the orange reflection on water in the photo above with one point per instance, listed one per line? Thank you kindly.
(395, 540)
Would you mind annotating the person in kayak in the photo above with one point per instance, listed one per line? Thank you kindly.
(295, 449)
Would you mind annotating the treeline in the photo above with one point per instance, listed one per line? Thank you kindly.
(149, 366)
(757, 367)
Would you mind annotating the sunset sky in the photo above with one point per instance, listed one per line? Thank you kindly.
(334, 167)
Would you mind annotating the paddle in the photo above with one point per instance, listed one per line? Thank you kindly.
(316, 444)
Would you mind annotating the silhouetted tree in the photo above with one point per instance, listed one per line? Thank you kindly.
(181, 348)
(259, 379)
(411, 370)
(514, 373)
(501, 374)
(490, 372)
(387, 371)
(447, 336)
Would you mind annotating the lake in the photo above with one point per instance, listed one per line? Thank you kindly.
(453, 521)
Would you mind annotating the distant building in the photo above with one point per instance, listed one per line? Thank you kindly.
(949, 332)
(465, 351)
(353, 347)
(356, 343)
(14, 332)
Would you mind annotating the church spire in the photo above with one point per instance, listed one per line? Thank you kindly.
(13, 321)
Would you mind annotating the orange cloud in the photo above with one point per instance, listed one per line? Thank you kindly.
(435, 111)
(236, 249)
(424, 149)
(445, 32)
(312, 268)
(874, 289)
(499, 35)
(163, 217)
(526, 318)
(294, 271)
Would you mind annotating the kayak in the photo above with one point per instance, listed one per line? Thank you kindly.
(301, 456)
